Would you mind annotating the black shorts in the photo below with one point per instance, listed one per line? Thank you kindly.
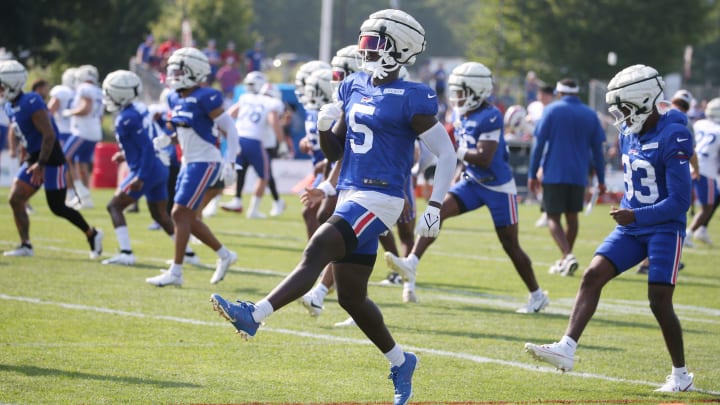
(561, 198)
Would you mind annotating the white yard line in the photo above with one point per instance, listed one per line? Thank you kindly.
(436, 352)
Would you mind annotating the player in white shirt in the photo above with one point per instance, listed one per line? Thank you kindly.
(705, 184)
(254, 113)
(61, 99)
(85, 129)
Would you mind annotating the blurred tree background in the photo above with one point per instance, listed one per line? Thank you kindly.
(555, 38)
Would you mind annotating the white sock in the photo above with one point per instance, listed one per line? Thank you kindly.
(123, 237)
(395, 356)
(537, 293)
(255, 203)
(222, 253)
(263, 309)
(176, 269)
(569, 343)
(81, 189)
(413, 260)
(679, 371)
(320, 291)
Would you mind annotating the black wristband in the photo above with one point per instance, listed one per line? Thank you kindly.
(434, 204)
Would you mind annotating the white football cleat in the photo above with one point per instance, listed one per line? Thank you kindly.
(310, 303)
(542, 221)
(553, 353)
(402, 266)
(278, 207)
(20, 251)
(535, 304)
(568, 265)
(222, 266)
(211, 209)
(234, 205)
(165, 278)
(95, 242)
(556, 267)
(256, 215)
(127, 259)
(702, 235)
(345, 324)
(675, 383)
(409, 294)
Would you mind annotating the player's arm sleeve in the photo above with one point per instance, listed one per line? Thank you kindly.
(679, 187)
(226, 125)
(438, 142)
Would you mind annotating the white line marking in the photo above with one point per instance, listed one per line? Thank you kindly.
(437, 352)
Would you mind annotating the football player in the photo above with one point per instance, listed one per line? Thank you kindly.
(656, 150)
(195, 111)
(372, 128)
(44, 164)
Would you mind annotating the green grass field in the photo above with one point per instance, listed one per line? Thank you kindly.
(76, 331)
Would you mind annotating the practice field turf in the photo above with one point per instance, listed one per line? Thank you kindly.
(76, 331)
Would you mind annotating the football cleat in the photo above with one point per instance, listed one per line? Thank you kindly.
(535, 304)
(127, 259)
(568, 266)
(95, 242)
(556, 267)
(310, 303)
(222, 267)
(409, 294)
(402, 266)
(402, 379)
(278, 207)
(239, 314)
(553, 353)
(165, 278)
(256, 215)
(702, 235)
(676, 383)
(234, 205)
(393, 278)
(20, 251)
(346, 323)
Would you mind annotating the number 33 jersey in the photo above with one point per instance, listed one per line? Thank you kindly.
(656, 173)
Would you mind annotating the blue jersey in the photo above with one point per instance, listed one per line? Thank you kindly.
(20, 113)
(380, 142)
(657, 176)
(132, 128)
(311, 133)
(486, 124)
(190, 116)
(572, 134)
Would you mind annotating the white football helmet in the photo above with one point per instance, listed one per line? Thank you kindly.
(318, 89)
(632, 95)
(712, 110)
(345, 62)
(120, 88)
(469, 84)
(87, 73)
(515, 120)
(303, 72)
(68, 78)
(187, 67)
(389, 38)
(13, 76)
(254, 81)
(271, 90)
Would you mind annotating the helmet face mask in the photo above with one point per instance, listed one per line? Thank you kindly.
(388, 39)
(13, 76)
(470, 84)
(120, 88)
(187, 67)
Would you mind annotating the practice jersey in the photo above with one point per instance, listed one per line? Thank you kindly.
(707, 147)
(64, 95)
(88, 126)
(269, 138)
(657, 176)
(20, 113)
(132, 131)
(379, 144)
(190, 116)
(311, 134)
(486, 124)
(252, 118)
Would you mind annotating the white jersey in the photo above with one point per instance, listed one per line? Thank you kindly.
(269, 139)
(707, 147)
(252, 118)
(64, 95)
(88, 126)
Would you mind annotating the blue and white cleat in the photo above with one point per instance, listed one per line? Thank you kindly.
(239, 314)
(402, 379)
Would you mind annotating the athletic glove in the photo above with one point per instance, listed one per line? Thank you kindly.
(328, 114)
(429, 224)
